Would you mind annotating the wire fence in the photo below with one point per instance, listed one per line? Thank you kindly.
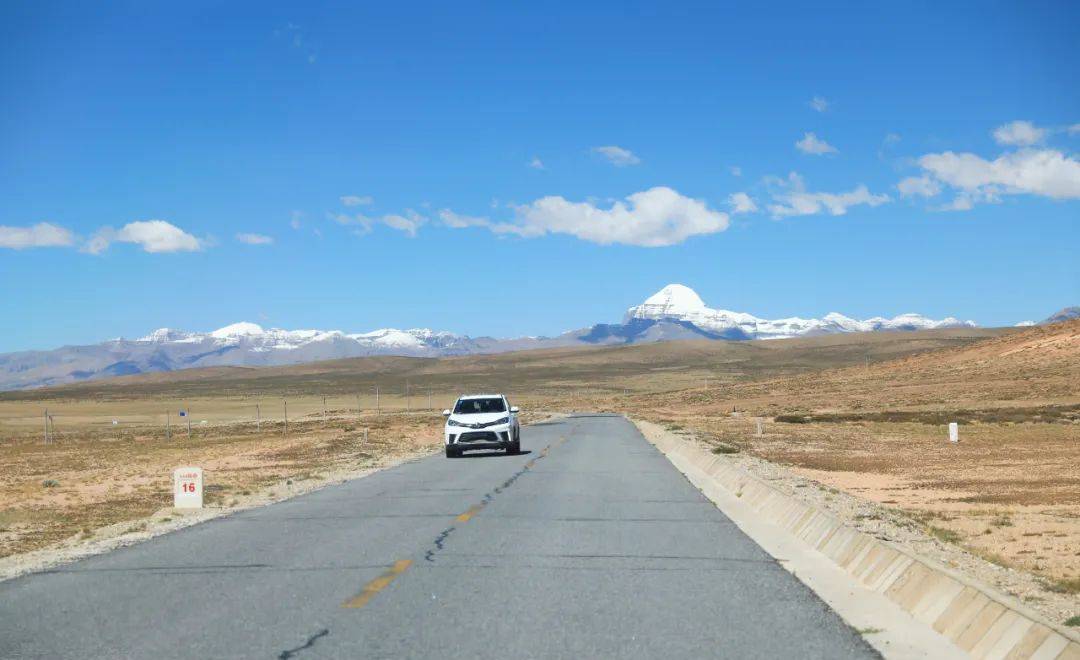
(180, 419)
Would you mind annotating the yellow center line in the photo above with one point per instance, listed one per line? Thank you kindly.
(402, 565)
(473, 510)
(378, 584)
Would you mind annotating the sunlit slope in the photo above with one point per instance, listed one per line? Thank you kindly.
(1036, 366)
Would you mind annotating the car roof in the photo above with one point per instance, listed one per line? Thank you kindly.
(480, 396)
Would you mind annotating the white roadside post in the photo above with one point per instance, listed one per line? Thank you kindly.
(188, 488)
(954, 432)
(760, 430)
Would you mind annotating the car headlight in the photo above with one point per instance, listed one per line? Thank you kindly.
(454, 422)
(504, 420)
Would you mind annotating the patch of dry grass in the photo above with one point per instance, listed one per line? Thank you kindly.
(97, 479)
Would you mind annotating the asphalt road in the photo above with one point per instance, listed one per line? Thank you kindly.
(589, 545)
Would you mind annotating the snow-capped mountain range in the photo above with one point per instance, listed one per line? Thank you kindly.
(674, 312)
(257, 340)
(678, 302)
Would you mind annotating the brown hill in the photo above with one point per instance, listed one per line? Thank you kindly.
(1037, 366)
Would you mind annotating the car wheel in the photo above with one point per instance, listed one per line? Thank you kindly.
(452, 453)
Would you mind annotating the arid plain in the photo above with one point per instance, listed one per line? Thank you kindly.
(865, 414)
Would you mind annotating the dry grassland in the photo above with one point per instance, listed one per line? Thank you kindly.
(862, 413)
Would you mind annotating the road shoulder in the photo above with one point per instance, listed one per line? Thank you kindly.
(889, 629)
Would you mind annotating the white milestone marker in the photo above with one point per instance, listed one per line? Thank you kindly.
(187, 488)
(954, 432)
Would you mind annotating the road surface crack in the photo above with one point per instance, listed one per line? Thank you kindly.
(288, 653)
(440, 540)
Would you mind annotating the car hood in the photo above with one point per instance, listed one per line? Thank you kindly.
(478, 418)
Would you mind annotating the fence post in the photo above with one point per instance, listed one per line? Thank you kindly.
(168, 424)
(286, 433)
(258, 418)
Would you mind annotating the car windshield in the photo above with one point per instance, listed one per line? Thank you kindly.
(473, 406)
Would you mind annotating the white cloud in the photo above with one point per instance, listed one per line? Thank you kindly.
(617, 156)
(918, 186)
(458, 221)
(1074, 129)
(1019, 134)
(43, 234)
(158, 236)
(152, 235)
(735, 170)
(652, 218)
(536, 163)
(819, 103)
(740, 202)
(255, 239)
(408, 222)
(96, 245)
(1045, 172)
(794, 200)
(357, 200)
(891, 139)
(811, 144)
(961, 202)
(297, 219)
(362, 222)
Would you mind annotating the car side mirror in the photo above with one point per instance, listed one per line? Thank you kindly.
(446, 413)
(514, 409)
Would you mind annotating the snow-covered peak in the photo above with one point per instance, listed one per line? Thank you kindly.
(845, 323)
(912, 321)
(673, 299)
(165, 335)
(237, 330)
(390, 337)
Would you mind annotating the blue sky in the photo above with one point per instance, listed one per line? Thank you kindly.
(508, 170)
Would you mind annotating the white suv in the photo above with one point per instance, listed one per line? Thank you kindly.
(482, 421)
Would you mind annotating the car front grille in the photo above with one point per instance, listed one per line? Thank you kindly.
(479, 436)
(481, 425)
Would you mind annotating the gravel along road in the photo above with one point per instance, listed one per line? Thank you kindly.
(587, 544)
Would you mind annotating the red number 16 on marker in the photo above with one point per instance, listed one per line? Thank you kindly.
(188, 487)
